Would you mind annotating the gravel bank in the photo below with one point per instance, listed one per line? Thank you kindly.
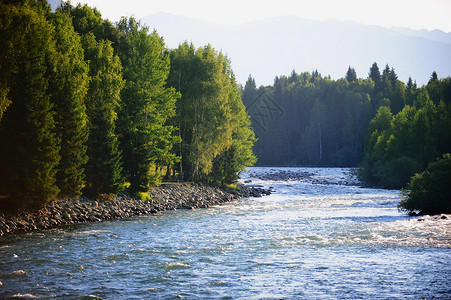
(165, 197)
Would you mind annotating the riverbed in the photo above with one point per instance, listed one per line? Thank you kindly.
(318, 236)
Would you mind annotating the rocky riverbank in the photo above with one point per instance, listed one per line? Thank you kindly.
(165, 197)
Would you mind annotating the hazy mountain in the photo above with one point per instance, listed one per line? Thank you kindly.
(272, 47)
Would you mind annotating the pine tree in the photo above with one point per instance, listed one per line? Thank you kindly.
(69, 84)
(29, 147)
(375, 75)
(249, 92)
(103, 171)
(293, 77)
(434, 77)
(351, 75)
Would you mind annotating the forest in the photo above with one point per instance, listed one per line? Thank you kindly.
(95, 108)
(388, 128)
(88, 107)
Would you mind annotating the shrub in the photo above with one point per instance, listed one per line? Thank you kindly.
(144, 196)
(397, 172)
(429, 192)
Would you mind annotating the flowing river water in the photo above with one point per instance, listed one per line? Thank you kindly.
(314, 238)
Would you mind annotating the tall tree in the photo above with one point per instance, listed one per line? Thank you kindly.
(239, 153)
(68, 86)
(351, 75)
(89, 20)
(411, 91)
(205, 80)
(103, 172)
(29, 147)
(434, 77)
(250, 91)
(375, 75)
(145, 136)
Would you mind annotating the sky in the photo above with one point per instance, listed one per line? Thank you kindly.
(415, 14)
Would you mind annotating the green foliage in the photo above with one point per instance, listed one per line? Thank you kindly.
(145, 136)
(29, 147)
(89, 20)
(396, 172)
(351, 75)
(68, 86)
(392, 130)
(85, 105)
(216, 135)
(375, 75)
(144, 196)
(429, 192)
(239, 154)
(401, 145)
(103, 172)
(306, 119)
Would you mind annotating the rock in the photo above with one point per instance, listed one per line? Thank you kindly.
(94, 219)
(166, 197)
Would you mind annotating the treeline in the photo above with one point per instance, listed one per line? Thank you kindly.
(90, 107)
(389, 128)
(311, 120)
(399, 145)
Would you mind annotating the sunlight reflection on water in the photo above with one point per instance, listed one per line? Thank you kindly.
(307, 240)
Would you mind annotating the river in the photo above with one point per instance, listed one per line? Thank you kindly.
(321, 237)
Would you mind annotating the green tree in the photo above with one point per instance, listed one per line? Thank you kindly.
(429, 192)
(379, 134)
(411, 92)
(145, 137)
(351, 75)
(103, 172)
(239, 154)
(375, 75)
(29, 147)
(89, 20)
(85, 19)
(434, 77)
(250, 92)
(424, 129)
(205, 112)
(68, 86)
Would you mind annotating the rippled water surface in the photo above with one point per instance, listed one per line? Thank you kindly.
(311, 240)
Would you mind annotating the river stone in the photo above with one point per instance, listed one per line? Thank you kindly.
(166, 197)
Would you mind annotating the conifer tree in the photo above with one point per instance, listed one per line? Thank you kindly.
(351, 75)
(69, 83)
(250, 93)
(434, 77)
(29, 147)
(375, 75)
(103, 171)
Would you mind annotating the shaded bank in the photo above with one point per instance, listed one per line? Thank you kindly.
(166, 197)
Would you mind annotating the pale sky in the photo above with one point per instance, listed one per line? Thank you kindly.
(416, 14)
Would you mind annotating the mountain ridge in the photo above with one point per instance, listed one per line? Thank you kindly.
(271, 47)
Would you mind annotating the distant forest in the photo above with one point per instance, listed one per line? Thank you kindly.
(389, 128)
